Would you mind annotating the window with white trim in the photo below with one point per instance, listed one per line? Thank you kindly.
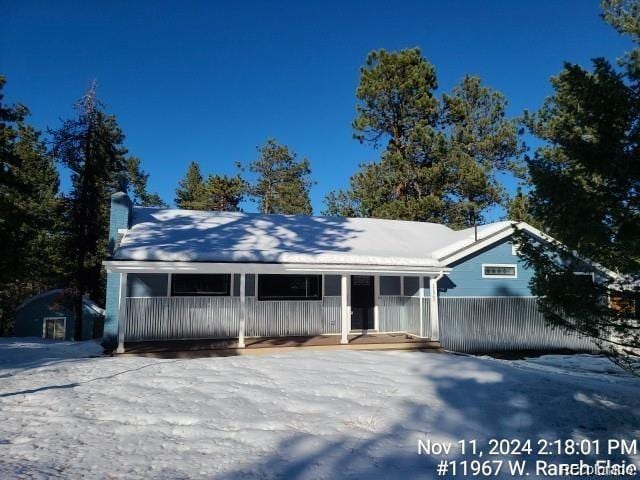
(289, 287)
(499, 270)
(200, 285)
(53, 328)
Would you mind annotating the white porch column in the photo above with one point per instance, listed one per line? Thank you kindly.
(433, 307)
(344, 293)
(122, 311)
(243, 309)
(376, 297)
(421, 297)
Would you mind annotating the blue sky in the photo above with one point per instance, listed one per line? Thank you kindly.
(209, 81)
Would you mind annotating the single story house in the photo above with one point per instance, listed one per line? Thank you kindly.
(185, 274)
(51, 315)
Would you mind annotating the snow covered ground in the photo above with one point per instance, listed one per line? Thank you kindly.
(67, 412)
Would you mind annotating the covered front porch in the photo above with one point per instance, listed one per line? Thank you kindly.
(243, 306)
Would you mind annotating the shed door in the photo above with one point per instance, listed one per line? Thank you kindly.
(53, 328)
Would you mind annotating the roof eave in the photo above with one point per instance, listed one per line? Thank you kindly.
(140, 266)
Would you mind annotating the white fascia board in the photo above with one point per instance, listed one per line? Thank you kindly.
(507, 232)
(476, 246)
(135, 266)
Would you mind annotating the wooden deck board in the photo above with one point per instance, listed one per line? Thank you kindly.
(261, 345)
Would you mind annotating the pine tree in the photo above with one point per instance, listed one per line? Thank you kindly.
(90, 146)
(191, 191)
(30, 214)
(441, 159)
(586, 194)
(283, 182)
(224, 193)
(519, 208)
(481, 142)
(136, 180)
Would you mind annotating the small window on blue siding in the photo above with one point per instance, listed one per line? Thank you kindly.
(499, 271)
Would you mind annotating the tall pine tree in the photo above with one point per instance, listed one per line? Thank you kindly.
(283, 182)
(30, 213)
(440, 159)
(586, 180)
(90, 146)
(224, 193)
(191, 191)
(217, 192)
(136, 180)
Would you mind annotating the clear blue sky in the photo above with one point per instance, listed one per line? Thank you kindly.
(208, 81)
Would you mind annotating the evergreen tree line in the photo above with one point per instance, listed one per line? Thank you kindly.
(50, 238)
(54, 239)
(440, 158)
(282, 184)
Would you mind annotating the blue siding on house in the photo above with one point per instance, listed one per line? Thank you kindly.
(110, 336)
(465, 279)
(120, 218)
(29, 318)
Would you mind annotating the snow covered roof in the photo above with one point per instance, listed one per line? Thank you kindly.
(161, 234)
(87, 302)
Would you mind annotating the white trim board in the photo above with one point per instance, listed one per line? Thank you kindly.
(496, 237)
(137, 266)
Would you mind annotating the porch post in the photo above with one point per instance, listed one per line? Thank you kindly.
(421, 298)
(344, 339)
(433, 307)
(243, 310)
(122, 311)
(376, 297)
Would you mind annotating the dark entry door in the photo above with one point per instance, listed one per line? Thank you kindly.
(362, 302)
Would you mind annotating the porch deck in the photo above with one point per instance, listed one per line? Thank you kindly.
(263, 345)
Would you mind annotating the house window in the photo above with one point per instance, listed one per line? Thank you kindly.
(289, 287)
(200, 285)
(411, 286)
(584, 278)
(499, 270)
(390, 285)
(332, 285)
(147, 284)
(53, 328)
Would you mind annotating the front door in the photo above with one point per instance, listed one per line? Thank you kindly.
(362, 302)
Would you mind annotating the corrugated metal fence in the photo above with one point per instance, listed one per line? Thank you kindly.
(160, 318)
(467, 324)
(402, 314)
(488, 324)
(283, 318)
